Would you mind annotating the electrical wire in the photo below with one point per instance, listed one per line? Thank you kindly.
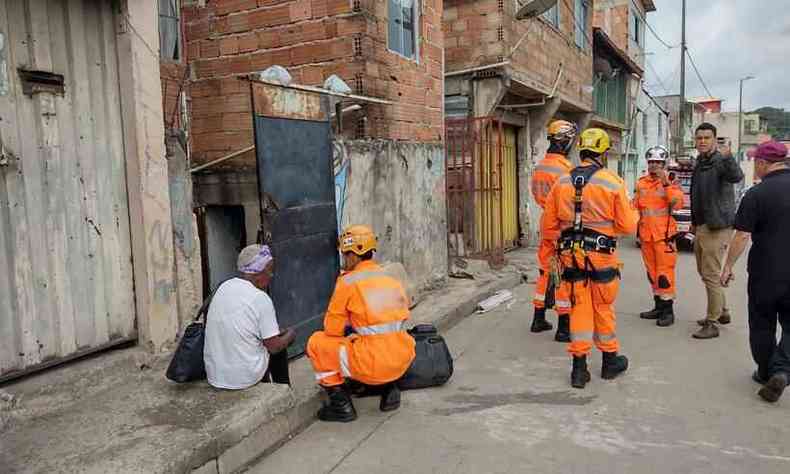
(699, 76)
(660, 82)
(588, 35)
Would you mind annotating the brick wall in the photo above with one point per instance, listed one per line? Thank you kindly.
(313, 39)
(172, 77)
(481, 32)
(546, 47)
(614, 21)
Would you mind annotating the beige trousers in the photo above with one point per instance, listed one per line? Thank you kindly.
(710, 248)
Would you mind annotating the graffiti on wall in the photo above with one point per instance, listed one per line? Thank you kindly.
(342, 167)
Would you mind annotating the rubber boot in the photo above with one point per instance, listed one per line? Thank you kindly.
(339, 407)
(667, 317)
(563, 328)
(390, 398)
(653, 313)
(613, 365)
(580, 374)
(539, 323)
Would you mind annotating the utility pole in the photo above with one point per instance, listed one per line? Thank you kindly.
(740, 116)
(680, 139)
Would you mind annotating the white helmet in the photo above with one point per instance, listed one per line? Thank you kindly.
(657, 153)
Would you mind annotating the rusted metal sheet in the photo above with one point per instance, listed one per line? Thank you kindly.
(65, 254)
(279, 102)
(475, 156)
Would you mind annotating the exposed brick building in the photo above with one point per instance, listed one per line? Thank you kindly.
(312, 39)
(524, 72)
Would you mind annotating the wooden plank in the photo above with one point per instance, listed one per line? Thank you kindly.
(122, 319)
(81, 105)
(30, 250)
(65, 203)
(280, 102)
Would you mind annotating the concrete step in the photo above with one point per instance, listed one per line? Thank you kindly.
(115, 417)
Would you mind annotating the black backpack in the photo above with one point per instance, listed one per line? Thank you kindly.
(433, 363)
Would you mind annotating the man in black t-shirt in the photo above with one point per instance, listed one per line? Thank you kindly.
(764, 215)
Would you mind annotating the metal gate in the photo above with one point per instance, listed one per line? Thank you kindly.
(65, 259)
(296, 180)
(475, 160)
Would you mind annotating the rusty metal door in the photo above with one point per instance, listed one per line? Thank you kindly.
(296, 181)
(65, 255)
(475, 149)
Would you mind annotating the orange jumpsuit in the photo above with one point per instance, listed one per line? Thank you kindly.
(607, 210)
(652, 199)
(545, 175)
(376, 307)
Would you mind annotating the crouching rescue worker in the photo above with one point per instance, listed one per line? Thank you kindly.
(374, 307)
(590, 209)
(562, 136)
(655, 198)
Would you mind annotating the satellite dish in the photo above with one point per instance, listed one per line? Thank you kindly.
(533, 8)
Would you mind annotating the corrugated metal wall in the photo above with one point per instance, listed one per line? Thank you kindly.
(65, 259)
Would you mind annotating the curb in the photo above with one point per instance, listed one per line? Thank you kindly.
(280, 427)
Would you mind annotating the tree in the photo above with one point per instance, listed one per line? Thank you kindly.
(777, 120)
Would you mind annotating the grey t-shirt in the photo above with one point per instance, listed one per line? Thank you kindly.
(239, 318)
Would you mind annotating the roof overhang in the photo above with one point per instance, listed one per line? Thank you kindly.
(604, 46)
(650, 6)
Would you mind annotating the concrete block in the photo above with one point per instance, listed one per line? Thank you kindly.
(208, 468)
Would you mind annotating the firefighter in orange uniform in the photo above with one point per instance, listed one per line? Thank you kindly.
(562, 136)
(654, 198)
(379, 350)
(590, 208)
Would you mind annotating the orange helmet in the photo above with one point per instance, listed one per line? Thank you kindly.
(562, 131)
(358, 239)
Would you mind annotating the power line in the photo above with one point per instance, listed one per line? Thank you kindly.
(650, 27)
(660, 82)
(699, 76)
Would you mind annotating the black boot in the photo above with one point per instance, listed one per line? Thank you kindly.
(539, 323)
(580, 375)
(613, 365)
(653, 313)
(390, 398)
(667, 317)
(563, 328)
(339, 407)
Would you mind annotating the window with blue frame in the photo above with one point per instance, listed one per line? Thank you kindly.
(552, 15)
(402, 37)
(581, 28)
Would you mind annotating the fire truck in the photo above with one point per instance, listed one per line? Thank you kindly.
(680, 171)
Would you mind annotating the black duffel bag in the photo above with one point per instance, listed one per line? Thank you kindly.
(433, 363)
(187, 364)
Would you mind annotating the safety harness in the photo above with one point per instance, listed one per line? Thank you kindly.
(580, 240)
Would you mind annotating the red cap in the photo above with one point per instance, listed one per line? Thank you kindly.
(772, 151)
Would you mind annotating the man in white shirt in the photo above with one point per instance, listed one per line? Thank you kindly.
(242, 329)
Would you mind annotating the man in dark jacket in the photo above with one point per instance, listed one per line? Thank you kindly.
(764, 216)
(712, 218)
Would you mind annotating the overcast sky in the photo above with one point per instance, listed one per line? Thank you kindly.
(728, 39)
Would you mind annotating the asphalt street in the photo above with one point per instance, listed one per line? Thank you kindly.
(684, 406)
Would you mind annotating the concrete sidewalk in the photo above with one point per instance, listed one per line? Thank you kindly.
(116, 412)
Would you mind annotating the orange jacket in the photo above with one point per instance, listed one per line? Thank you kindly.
(544, 177)
(376, 306)
(605, 205)
(652, 200)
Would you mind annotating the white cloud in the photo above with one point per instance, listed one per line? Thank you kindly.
(728, 39)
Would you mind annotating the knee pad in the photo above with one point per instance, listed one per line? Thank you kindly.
(663, 282)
